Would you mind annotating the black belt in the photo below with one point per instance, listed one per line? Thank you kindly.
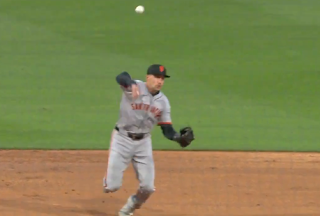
(133, 136)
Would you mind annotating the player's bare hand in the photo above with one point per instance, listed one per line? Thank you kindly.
(135, 91)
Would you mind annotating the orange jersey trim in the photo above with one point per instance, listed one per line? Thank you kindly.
(164, 123)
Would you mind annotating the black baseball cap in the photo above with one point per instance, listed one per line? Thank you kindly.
(157, 69)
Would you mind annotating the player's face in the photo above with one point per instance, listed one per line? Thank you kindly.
(155, 82)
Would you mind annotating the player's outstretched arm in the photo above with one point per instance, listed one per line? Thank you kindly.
(124, 79)
(169, 132)
(184, 138)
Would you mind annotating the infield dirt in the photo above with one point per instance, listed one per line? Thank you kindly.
(61, 183)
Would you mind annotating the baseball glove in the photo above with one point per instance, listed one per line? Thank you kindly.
(186, 136)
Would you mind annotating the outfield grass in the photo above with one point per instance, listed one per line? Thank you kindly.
(245, 74)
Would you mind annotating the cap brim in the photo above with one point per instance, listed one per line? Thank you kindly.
(158, 74)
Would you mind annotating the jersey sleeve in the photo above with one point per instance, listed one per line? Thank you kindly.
(166, 114)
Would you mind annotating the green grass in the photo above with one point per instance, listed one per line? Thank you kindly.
(245, 73)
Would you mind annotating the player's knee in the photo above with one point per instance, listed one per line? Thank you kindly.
(149, 188)
(111, 186)
(111, 189)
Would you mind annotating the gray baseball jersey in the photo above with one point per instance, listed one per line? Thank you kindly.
(141, 115)
(136, 116)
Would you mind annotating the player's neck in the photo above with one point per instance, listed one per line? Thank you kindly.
(152, 92)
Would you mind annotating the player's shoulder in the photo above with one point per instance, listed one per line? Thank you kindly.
(142, 85)
(162, 96)
(139, 81)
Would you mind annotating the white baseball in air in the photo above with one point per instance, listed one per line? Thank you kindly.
(139, 9)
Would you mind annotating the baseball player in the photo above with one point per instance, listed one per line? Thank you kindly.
(142, 107)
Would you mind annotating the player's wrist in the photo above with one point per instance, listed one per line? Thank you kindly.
(176, 137)
(131, 82)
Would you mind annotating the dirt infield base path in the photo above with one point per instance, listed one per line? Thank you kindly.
(58, 183)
